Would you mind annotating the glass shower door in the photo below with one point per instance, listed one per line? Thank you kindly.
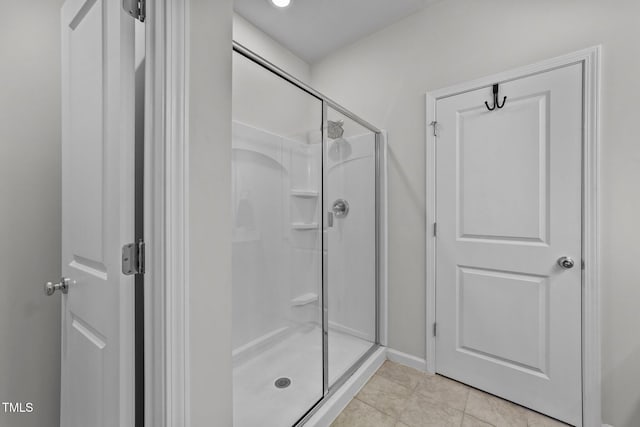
(305, 245)
(277, 248)
(350, 186)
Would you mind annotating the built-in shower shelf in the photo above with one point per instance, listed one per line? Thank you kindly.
(304, 299)
(307, 194)
(304, 226)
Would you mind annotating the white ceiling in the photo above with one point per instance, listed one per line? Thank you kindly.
(314, 28)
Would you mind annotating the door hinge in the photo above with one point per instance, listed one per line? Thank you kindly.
(434, 125)
(435, 229)
(136, 8)
(133, 258)
(435, 329)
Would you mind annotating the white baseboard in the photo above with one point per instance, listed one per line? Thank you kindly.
(341, 398)
(407, 360)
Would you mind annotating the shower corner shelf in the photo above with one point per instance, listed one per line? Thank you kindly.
(304, 226)
(307, 194)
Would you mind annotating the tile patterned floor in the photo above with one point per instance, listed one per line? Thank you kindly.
(398, 396)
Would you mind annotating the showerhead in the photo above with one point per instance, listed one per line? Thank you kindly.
(340, 148)
(335, 129)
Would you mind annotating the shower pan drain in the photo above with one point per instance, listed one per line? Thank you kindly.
(283, 382)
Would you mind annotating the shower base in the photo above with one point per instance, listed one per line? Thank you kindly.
(298, 357)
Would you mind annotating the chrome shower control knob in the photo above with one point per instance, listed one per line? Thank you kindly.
(51, 288)
(340, 208)
(565, 262)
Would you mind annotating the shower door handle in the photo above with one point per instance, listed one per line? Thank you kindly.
(329, 219)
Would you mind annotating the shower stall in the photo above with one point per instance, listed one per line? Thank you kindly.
(306, 244)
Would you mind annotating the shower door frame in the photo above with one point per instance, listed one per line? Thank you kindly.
(380, 332)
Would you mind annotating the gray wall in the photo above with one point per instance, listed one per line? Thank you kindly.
(277, 106)
(30, 209)
(384, 78)
(210, 212)
(259, 42)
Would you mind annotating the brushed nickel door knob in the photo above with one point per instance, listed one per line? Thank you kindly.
(62, 286)
(566, 262)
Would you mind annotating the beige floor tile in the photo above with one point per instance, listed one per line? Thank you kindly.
(469, 421)
(534, 419)
(359, 414)
(444, 390)
(385, 395)
(398, 396)
(423, 412)
(494, 410)
(400, 374)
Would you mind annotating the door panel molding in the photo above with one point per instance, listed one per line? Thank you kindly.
(590, 59)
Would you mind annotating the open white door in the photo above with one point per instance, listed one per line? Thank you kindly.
(97, 214)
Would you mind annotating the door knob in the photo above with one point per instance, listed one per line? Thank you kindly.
(565, 262)
(51, 288)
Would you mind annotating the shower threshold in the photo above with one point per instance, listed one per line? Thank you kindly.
(345, 389)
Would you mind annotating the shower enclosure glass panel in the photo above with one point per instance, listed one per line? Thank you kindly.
(277, 248)
(350, 231)
(305, 245)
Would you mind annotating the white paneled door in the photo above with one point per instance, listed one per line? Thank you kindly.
(509, 210)
(97, 372)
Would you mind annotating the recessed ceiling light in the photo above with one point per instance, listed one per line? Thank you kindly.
(281, 3)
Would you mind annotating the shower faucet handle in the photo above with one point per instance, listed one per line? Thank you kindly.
(340, 208)
(329, 219)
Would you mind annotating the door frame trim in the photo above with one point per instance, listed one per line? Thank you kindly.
(167, 399)
(591, 304)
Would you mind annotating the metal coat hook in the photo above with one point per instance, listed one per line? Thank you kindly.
(495, 99)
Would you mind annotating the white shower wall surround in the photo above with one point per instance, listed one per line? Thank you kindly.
(277, 194)
(352, 244)
(304, 283)
(277, 257)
